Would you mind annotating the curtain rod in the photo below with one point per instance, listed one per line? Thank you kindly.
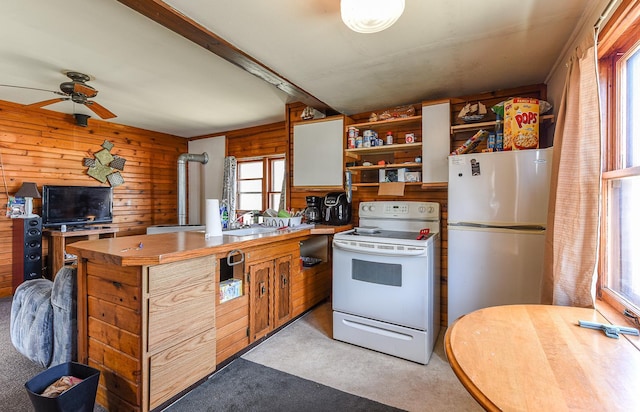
(605, 14)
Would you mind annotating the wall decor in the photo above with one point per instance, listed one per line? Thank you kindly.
(105, 166)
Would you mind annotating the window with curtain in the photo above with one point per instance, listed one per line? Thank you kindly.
(260, 183)
(620, 235)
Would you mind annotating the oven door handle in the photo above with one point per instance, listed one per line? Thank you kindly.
(379, 251)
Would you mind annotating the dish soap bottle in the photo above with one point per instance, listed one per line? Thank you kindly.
(499, 134)
(224, 215)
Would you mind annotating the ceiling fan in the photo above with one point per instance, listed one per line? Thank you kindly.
(77, 90)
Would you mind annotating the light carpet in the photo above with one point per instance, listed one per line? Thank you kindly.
(305, 349)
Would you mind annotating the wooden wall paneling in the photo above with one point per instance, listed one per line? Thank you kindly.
(257, 141)
(46, 147)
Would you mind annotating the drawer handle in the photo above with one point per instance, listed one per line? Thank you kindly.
(263, 290)
(284, 281)
(231, 254)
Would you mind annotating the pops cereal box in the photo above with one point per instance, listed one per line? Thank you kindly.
(521, 123)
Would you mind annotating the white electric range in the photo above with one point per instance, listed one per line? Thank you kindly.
(386, 279)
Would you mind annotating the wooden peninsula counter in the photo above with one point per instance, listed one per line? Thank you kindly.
(150, 315)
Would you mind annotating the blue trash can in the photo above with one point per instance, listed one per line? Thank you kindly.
(79, 398)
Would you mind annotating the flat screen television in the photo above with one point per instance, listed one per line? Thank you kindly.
(76, 205)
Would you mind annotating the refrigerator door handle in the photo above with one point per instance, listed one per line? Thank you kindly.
(485, 226)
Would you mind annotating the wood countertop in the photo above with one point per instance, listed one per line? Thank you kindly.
(537, 358)
(171, 247)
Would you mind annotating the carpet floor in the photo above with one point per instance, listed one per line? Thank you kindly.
(15, 369)
(250, 387)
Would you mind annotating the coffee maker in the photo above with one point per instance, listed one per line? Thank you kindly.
(336, 209)
(313, 212)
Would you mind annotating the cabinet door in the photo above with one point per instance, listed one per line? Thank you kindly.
(282, 290)
(317, 153)
(436, 141)
(260, 316)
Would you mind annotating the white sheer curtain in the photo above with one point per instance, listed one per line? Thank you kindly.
(229, 186)
(571, 249)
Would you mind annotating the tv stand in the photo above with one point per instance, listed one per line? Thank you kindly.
(58, 241)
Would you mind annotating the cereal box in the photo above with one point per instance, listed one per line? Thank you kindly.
(521, 124)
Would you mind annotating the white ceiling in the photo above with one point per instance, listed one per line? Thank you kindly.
(155, 79)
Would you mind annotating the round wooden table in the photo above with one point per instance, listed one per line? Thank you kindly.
(537, 358)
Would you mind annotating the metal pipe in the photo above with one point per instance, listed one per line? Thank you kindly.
(182, 182)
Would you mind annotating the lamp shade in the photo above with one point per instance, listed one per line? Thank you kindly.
(370, 16)
(28, 189)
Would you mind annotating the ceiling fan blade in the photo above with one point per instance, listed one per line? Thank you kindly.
(100, 110)
(47, 102)
(33, 88)
(85, 89)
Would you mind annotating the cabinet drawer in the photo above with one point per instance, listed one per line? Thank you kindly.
(180, 366)
(259, 254)
(176, 275)
(178, 315)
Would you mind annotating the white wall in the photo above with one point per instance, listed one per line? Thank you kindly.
(205, 181)
(556, 79)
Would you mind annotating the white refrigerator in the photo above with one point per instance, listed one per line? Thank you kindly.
(497, 214)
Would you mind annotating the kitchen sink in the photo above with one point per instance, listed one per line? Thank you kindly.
(249, 231)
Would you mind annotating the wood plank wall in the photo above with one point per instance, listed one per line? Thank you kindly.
(46, 147)
(267, 140)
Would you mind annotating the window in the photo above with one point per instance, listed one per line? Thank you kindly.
(260, 183)
(620, 237)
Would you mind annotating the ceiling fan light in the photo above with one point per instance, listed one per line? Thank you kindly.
(370, 16)
(81, 119)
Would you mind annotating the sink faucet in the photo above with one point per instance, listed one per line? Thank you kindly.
(240, 221)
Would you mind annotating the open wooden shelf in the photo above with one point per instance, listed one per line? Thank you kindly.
(389, 148)
(378, 184)
(383, 123)
(492, 124)
(385, 166)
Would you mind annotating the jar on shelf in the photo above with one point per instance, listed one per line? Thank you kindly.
(389, 138)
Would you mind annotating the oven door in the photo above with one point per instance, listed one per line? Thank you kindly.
(392, 288)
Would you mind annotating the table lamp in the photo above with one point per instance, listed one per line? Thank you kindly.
(28, 191)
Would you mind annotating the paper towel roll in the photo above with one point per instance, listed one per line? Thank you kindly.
(213, 227)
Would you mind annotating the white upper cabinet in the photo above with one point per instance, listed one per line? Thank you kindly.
(436, 135)
(317, 153)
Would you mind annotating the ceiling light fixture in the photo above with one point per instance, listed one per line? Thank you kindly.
(370, 16)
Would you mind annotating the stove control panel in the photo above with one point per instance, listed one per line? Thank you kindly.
(400, 210)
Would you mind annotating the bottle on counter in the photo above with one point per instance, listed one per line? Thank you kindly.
(499, 134)
(224, 215)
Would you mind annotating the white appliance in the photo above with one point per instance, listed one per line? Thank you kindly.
(386, 280)
(496, 228)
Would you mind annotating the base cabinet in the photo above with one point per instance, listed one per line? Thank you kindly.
(282, 290)
(181, 337)
(150, 330)
(155, 330)
(261, 277)
(270, 305)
